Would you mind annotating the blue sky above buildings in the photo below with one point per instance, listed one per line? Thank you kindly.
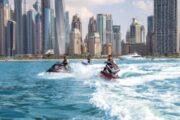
(122, 10)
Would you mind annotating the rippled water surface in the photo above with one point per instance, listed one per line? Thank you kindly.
(147, 90)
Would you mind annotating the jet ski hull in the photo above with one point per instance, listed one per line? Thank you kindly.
(108, 76)
(59, 70)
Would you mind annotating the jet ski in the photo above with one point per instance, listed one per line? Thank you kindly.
(59, 68)
(85, 62)
(110, 72)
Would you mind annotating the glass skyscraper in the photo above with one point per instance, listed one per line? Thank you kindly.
(20, 18)
(167, 26)
(31, 31)
(101, 27)
(60, 27)
(4, 17)
(48, 26)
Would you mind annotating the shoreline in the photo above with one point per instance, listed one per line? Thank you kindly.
(34, 60)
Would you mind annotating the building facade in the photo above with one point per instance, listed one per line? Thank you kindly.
(38, 35)
(31, 31)
(60, 27)
(150, 35)
(137, 32)
(48, 25)
(116, 43)
(167, 26)
(75, 44)
(11, 38)
(21, 26)
(130, 48)
(4, 18)
(38, 45)
(109, 28)
(92, 25)
(67, 32)
(101, 27)
(94, 44)
(76, 24)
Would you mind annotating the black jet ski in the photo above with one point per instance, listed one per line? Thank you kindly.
(110, 72)
(59, 67)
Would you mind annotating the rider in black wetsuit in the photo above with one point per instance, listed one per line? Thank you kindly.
(58, 65)
(65, 63)
(109, 63)
(89, 59)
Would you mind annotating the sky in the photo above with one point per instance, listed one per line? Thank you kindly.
(122, 11)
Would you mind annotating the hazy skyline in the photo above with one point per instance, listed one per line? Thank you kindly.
(122, 11)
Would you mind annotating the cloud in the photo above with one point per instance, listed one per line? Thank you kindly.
(83, 12)
(84, 9)
(93, 2)
(104, 2)
(145, 5)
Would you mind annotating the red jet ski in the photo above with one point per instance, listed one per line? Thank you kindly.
(110, 72)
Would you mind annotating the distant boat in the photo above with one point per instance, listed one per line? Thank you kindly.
(49, 52)
(134, 56)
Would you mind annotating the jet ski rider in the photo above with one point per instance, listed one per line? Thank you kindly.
(65, 63)
(58, 65)
(89, 59)
(109, 63)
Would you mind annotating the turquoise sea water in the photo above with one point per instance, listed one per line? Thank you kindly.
(147, 90)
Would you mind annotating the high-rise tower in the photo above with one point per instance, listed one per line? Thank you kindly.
(48, 25)
(101, 27)
(167, 26)
(20, 18)
(109, 28)
(116, 42)
(4, 17)
(60, 27)
(137, 32)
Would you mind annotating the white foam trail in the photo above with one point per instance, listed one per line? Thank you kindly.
(118, 98)
(58, 76)
(168, 73)
(120, 101)
(120, 106)
(84, 72)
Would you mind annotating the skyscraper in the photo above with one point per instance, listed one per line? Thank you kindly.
(37, 6)
(75, 44)
(93, 39)
(109, 28)
(167, 26)
(76, 36)
(94, 44)
(48, 19)
(150, 35)
(20, 18)
(137, 32)
(4, 17)
(60, 27)
(143, 37)
(101, 27)
(128, 39)
(150, 21)
(67, 32)
(31, 31)
(11, 38)
(38, 29)
(76, 23)
(116, 43)
(38, 35)
(4, 2)
(92, 25)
